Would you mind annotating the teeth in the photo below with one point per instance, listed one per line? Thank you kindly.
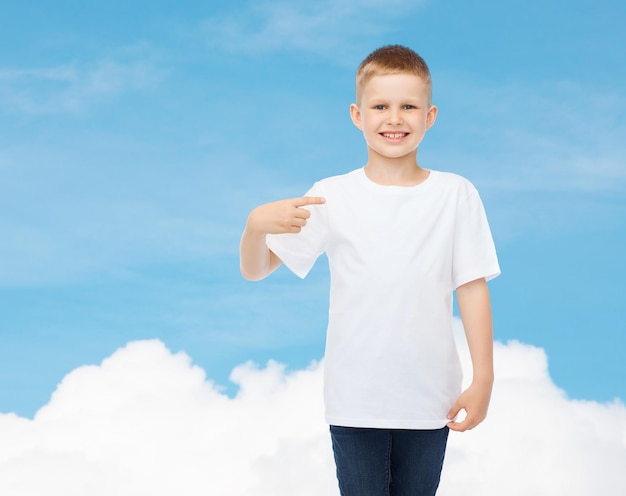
(394, 135)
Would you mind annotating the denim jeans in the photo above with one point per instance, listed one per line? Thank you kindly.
(388, 462)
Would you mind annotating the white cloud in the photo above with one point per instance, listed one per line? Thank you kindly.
(326, 27)
(71, 87)
(537, 441)
(146, 421)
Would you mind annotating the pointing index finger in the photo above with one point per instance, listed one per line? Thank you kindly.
(309, 200)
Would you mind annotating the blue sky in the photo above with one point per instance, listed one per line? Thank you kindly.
(136, 136)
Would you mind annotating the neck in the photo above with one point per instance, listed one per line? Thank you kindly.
(403, 171)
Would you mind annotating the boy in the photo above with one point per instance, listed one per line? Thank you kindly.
(399, 239)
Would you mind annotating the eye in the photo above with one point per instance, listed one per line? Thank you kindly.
(379, 107)
(409, 107)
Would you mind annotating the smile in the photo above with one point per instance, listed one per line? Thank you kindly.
(394, 135)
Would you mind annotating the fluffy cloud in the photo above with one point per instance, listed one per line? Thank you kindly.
(147, 421)
(537, 441)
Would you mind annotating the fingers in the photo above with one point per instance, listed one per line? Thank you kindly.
(297, 224)
(283, 216)
(452, 425)
(308, 200)
(301, 214)
(467, 424)
(454, 411)
(297, 221)
(462, 426)
(459, 426)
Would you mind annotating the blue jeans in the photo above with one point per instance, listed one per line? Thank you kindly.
(388, 462)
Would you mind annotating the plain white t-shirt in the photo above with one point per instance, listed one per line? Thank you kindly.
(395, 254)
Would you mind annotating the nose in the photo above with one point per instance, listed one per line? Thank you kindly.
(394, 117)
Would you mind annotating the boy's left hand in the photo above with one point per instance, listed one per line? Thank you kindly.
(475, 401)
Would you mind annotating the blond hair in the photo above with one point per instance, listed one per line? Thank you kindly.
(392, 59)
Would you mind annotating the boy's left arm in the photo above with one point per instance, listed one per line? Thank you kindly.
(475, 309)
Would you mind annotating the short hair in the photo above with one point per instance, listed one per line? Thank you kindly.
(392, 59)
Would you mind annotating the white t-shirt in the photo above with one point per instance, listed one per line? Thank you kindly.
(395, 254)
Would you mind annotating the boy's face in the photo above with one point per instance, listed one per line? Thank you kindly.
(394, 114)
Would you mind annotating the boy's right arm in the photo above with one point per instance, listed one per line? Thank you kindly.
(257, 261)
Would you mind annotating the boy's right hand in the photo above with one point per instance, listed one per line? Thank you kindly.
(283, 216)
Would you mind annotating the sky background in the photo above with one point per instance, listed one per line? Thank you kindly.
(135, 137)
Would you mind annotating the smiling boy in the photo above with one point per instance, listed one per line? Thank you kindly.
(399, 239)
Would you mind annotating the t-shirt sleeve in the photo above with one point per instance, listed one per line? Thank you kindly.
(474, 253)
(299, 251)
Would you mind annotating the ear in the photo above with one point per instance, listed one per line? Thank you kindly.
(431, 116)
(355, 115)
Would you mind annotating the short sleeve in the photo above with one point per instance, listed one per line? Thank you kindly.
(474, 253)
(300, 251)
